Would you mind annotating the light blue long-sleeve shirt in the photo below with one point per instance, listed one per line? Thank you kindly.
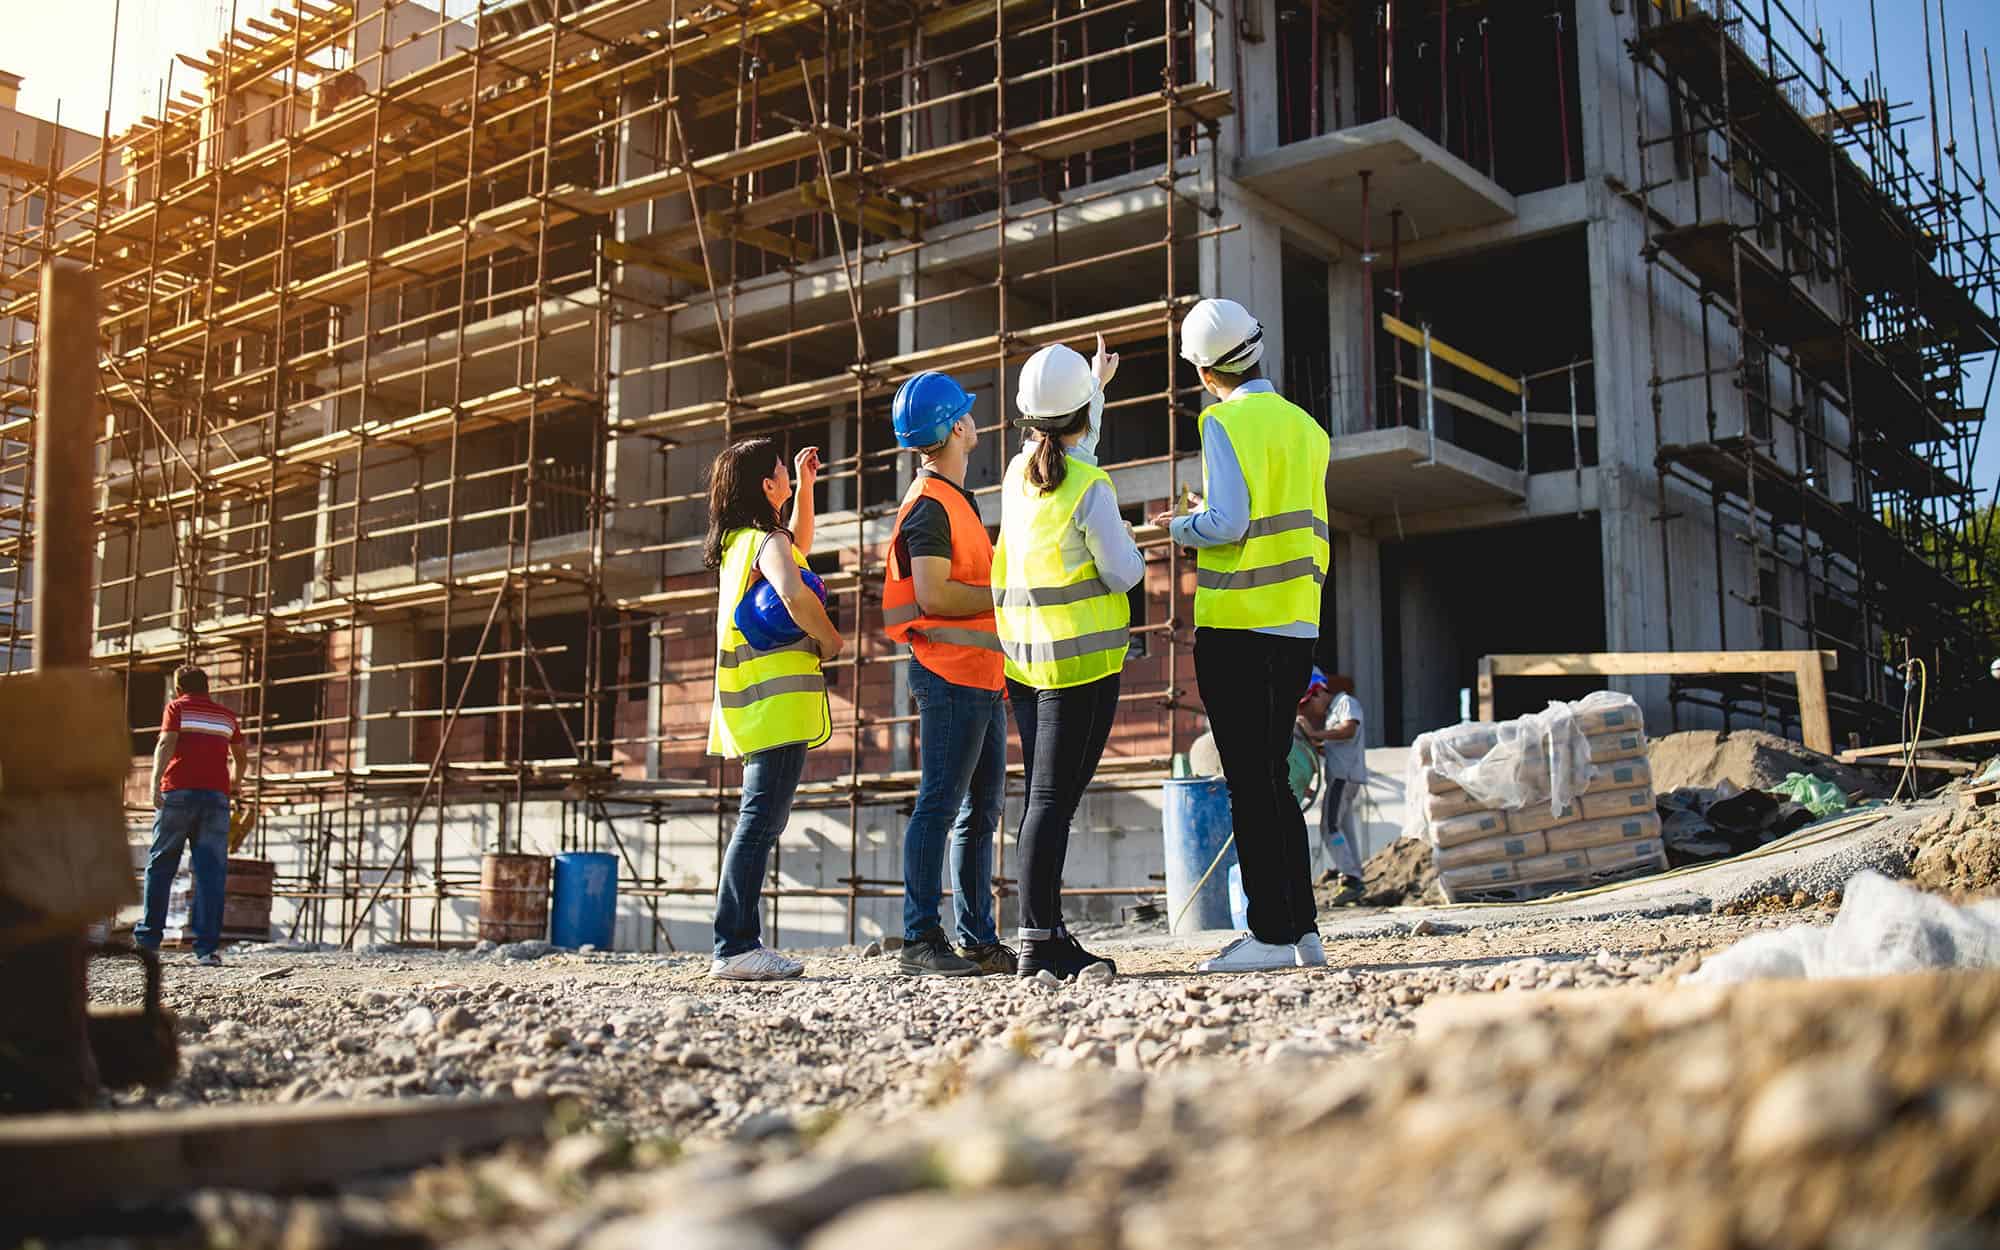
(1225, 511)
(1097, 533)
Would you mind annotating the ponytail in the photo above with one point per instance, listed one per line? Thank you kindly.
(1048, 465)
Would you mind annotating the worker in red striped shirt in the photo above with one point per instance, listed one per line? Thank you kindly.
(192, 785)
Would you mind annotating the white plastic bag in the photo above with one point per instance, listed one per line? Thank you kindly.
(1883, 927)
(1542, 757)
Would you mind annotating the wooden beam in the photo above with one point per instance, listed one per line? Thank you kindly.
(1653, 663)
(1922, 761)
(64, 1166)
(673, 266)
(1897, 748)
(1808, 669)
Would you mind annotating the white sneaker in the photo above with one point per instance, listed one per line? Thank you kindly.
(1247, 954)
(1310, 952)
(755, 965)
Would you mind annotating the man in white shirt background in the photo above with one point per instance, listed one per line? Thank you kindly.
(1344, 759)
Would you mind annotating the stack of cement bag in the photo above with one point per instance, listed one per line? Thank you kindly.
(1553, 801)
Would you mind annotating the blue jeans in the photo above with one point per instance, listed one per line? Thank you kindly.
(198, 819)
(770, 779)
(964, 758)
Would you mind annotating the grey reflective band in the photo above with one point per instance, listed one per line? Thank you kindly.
(983, 639)
(1268, 575)
(797, 683)
(1067, 648)
(744, 654)
(1285, 523)
(1049, 596)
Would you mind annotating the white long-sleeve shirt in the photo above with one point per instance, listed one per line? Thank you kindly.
(1225, 512)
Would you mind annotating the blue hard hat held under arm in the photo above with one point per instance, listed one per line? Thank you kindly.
(763, 619)
(925, 409)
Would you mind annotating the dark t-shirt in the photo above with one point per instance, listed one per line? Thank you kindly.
(926, 529)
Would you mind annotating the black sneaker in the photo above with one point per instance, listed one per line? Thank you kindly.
(1061, 956)
(932, 956)
(1349, 892)
(992, 958)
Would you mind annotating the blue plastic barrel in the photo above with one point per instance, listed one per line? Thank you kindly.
(1196, 812)
(586, 900)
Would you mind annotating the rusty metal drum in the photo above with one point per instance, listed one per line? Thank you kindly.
(513, 898)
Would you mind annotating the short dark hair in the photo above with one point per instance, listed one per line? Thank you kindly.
(191, 679)
(1250, 374)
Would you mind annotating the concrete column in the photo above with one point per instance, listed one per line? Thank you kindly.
(1357, 570)
(1247, 265)
(1347, 318)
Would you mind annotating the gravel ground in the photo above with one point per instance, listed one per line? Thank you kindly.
(856, 1108)
(647, 1044)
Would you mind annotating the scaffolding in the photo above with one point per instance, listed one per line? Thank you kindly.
(417, 332)
(1839, 294)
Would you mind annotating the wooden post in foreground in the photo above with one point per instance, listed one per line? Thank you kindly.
(65, 446)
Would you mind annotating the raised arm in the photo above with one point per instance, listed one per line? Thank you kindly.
(1119, 563)
(805, 473)
(162, 752)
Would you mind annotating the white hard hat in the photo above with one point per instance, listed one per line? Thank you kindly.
(1221, 334)
(1996, 670)
(1055, 382)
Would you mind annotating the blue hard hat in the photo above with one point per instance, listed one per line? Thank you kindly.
(1314, 683)
(925, 408)
(764, 621)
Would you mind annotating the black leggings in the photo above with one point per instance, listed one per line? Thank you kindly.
(1250, 685)
(1062, 737)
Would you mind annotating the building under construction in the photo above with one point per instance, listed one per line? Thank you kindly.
(1638, 326)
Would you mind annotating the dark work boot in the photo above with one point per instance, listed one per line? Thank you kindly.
(992, 958)
(1062, 956)
(931, 956)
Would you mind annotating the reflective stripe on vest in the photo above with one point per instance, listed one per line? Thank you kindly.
(1058, 626)
(964, 650)
(763, 699)
(1272, 575)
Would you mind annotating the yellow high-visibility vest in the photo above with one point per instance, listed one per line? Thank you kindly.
(1273, 574)
(763, 699)
(1058, 626)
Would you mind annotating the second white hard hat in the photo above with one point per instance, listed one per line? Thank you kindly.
(1221, 334)
(1054, 383)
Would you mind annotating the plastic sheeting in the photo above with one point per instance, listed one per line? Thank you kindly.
(1540, 758)
(1883, 927)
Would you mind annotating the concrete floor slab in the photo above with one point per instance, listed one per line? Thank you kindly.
(1381, 473)
(1320, 179)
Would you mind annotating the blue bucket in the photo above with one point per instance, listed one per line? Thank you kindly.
(1196, 816)
(586, 900)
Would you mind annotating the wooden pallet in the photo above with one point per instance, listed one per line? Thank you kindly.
(1530, 891)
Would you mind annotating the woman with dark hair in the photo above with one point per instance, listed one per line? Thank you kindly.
(770, 705)
(1061, 570)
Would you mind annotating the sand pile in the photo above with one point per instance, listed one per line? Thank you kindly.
(1400, 874)
(1746, 758)
(1957, 851)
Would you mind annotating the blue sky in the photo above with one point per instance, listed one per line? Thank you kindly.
(63, 50)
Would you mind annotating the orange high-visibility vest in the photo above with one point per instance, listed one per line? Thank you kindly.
(964, 650)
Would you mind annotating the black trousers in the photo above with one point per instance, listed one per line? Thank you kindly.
(1062, 737)
(1250, 684)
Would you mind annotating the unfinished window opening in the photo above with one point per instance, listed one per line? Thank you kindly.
(1495, 85)
(294, 683)
(145, 702)
(1449, 599)
(1477, 390)
(1308, 326)
(1770, 604)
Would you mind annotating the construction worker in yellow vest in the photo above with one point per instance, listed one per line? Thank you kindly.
(770, 703)
(1061, 571)
(937, 596)
(1261, 547)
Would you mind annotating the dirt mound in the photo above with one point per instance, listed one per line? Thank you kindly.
(1400, 873)
(1746, 758)
(1958, 851)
